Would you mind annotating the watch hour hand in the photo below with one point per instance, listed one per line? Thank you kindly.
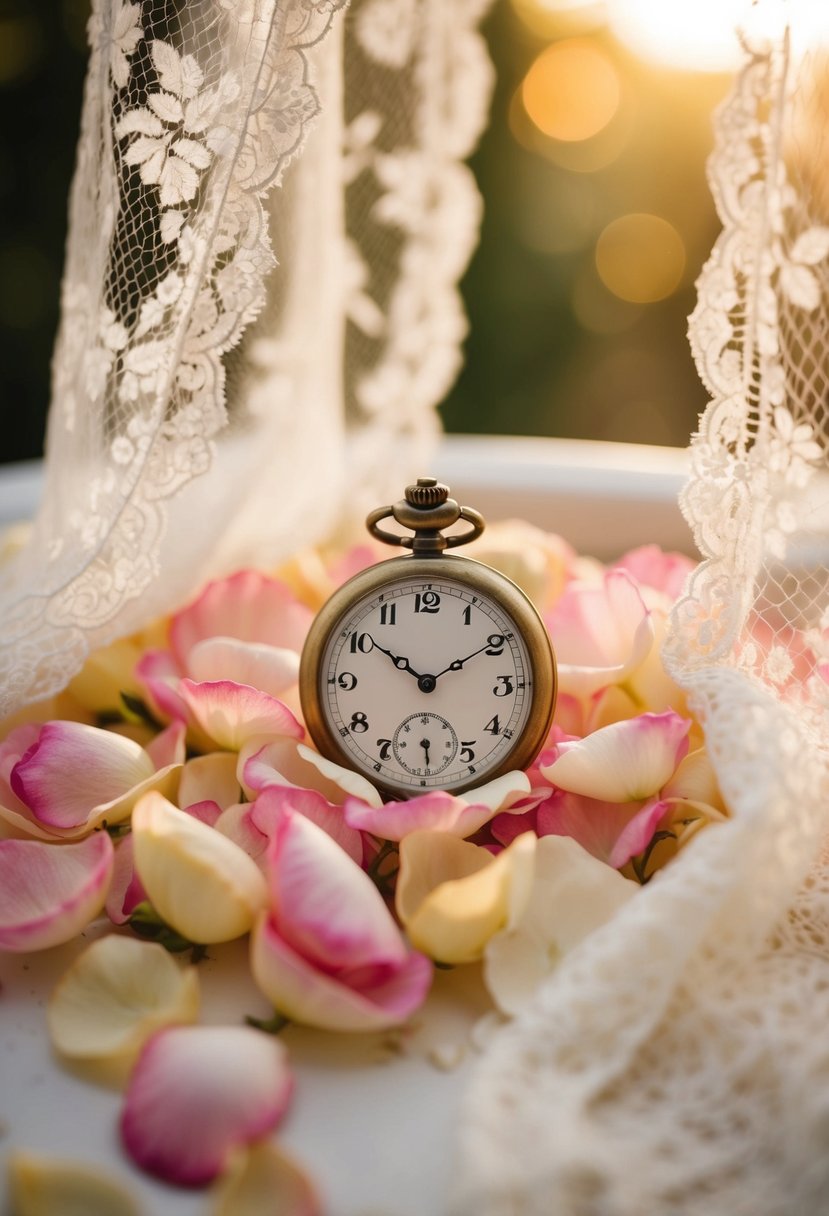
(401, 663)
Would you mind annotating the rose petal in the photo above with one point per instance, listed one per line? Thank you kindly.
(652, 567)
(638, 832)
(229, 714)
(322, 903)
(456, 920)
(42, 1186)
(106, 674)
(267, 1181)
(429, 859)
(595, 825)
(160, 674)
(308, 995)
(199, 1092)
(125, 889)
(271, 669)
(624, 762)
(168, 747)
(274, 800)
(572, 894)
(696, 780)
(115, 995)
(601, 634)
(199, 882)
(209, 778)
(50, 892)
(73, 768)
(249, 606)
(436, 812)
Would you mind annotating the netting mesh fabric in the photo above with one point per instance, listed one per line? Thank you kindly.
(676, 1063)
(231, 305)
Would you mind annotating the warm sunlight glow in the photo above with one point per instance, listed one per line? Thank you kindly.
(572, 90)
(698, 35)
(640, 258)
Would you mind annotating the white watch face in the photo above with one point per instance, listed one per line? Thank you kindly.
(427, 684)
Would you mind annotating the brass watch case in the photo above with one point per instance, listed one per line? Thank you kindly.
(478, 578)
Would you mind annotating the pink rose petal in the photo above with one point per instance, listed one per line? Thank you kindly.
(638, 832)
(159, 673)
(595, 825)
(601, 634)
(50, 892)
(73, 769)
(230, 714)
(267, 811)
(323, 904)
(437, 812)
(350, 1001)
(249, 606)
(125, 889)
(652, 567)
(169, 746)
(198, 1093)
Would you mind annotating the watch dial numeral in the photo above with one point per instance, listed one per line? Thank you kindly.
(347, 680)
(504, 686)
(362, 642)
(467, 755)
(493, 726)
(495, 643)
(385, 748)
(388, 614)
(467, 615)
(427, 601)
(358, 724)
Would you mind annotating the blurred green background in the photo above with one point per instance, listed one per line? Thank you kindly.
(597, 214)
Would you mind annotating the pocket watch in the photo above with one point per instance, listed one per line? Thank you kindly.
(429, 671)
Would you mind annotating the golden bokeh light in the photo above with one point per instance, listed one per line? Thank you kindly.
(640, 258)
(572, 90)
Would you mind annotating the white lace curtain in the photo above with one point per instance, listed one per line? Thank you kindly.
(252, 340)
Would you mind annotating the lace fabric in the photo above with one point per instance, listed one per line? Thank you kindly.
(675, 1064)
(214, 323)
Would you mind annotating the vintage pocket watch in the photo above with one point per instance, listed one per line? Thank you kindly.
(428, 672)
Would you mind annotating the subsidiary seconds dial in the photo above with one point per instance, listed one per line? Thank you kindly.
(426, 683)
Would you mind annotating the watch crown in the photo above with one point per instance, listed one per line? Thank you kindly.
(426, 492)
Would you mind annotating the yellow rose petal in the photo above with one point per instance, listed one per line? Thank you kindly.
(114, 996)
(456, 920)
(201, 883)
(267, 1180)
(43, 1187)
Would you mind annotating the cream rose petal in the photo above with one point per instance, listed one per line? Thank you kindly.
(50, 892)
(457, 918)
(624, 762)
(209, 778)
(271, 669)
(267, 1182)
(201, 883)
(197, 1093)
(42, 1186)
(572, 894)
(115, 995)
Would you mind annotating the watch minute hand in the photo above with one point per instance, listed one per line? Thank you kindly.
(457, 664)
